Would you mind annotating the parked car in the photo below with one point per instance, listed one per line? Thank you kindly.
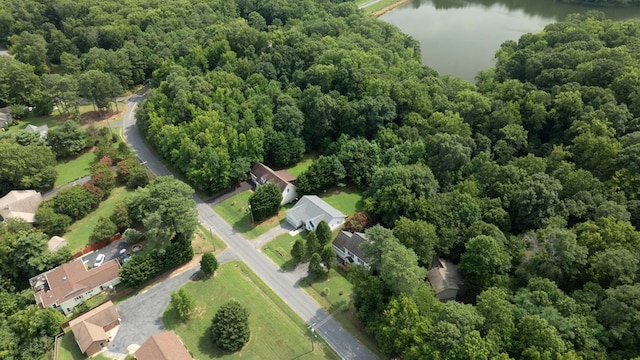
(99, 260)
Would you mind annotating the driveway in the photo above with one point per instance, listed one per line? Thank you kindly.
(284, 284)
(141, 315)
(111, 252)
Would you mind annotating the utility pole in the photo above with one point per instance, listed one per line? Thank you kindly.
(251, 212)
(313, 335)
(212, 239)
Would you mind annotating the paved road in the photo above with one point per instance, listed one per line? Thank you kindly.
(283, 283)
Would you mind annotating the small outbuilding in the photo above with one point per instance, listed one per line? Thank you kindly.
(445, 279)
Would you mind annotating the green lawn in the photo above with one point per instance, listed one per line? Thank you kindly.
(69, 349)
(78, 234)
(204, 241)
(279, 249)
(276, 331)
(348, 201)
(302, 165)
(235, 211)
(73, 169)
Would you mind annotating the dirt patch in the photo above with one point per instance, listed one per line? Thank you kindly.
(94, 118)
(388, 8)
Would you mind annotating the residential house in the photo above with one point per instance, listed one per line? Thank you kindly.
(262, 174)
(72, 283)
(91, 329)
(56, 243)
(445, 279)
(163, 346)
(347, 246)
(43, 130)
(5, 117)
(20, 204)
(311, 210)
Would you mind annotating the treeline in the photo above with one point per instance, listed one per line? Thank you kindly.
(622, 3)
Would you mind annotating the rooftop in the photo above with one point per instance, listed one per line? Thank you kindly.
(163, 346)
(265, 174)
(90, 326)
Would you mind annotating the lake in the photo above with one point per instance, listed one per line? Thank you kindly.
(461, 37)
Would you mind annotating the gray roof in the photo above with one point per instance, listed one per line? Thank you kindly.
(444, 275)
(352, 242)
(312, 206)
(20, 204)
(265, 175)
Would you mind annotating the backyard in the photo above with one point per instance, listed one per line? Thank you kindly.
(69, 349)
(347, 200)
(276, 331)
(302, 165)
(80, 231)
(235, 211)
(74, 169)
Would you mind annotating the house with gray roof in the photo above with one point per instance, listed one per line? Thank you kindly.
(347, 247)
(21, 204)
(43, 130)
(445, 279)
(310, 210)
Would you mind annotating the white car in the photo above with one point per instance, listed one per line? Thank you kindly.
(99, 260)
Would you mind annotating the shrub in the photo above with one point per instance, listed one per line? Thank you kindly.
(104, 229)
(208, 264)
(265, 202)
(357, 222)
(51, 222)
(183, 303)
(75, 202)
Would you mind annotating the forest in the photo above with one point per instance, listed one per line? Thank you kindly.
(528, 180)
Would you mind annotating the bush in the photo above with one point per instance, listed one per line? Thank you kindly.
(183, 303)
(230, 328)
(132, 174)
(357, 222)
(120, 216)
(51, 222)
(75, 202)
(103, 177)
(208, 264)
(104, 229)
(140, 268)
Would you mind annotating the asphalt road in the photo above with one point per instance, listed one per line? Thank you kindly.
(282, 283)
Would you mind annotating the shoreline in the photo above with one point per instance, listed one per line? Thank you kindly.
(390, 7)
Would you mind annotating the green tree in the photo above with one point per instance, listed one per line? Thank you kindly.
(104, 229)
(419, 236)
(75, 201)
(265, 201)
(402, 327)
(208, 264)
(536, 336)
(68, 139)
(183, 303)
(120, 216)
(328, 256)
(230, 327)
(100, 88)
(619, 314)
(50, 221)
(63, 89)
(316, 269)
(298, 251)
(26, 167)
(484, 257)
(30, 49)
(324, 234)
(313, 244)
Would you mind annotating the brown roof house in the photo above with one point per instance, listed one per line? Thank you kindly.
(347, 248)
(20, 204)
(70, 284)
(5, 117)
(91, 329)
(163, 346)
(445, 279)
(262, 174)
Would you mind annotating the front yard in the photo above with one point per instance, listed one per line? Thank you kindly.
(69, 349)
(235, 211)
(276, 331)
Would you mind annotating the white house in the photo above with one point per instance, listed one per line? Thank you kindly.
(311, 210)
(70, 284)
(347, 248)
(262, 174)
(445, 279)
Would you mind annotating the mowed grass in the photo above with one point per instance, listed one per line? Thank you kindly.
(79, 232)
(348, 201)
(302, 165)
(279, 249)
(276, 331)
(69, 349)
(74, 169)
(235, 211)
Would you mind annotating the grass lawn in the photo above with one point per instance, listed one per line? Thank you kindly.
(78, 234)
(235, 211)
(73, 169)
(204, 241)
(302, 165)
(279, 249)
(69, 350)
(348, 201)
(276, 331)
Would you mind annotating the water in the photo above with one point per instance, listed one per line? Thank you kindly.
(461, 37)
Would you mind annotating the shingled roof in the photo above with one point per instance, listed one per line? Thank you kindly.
(352, 242)
(70, 280)
(163, 346)
(20, 204)
(89, 327)
(264, 175)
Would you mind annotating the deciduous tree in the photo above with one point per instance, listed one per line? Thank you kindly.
(265, 202)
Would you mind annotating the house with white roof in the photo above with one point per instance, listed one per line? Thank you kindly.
(311, 210)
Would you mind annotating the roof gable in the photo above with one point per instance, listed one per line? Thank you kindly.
(352, 242)
(311, 206)
(444, 275)
(20, 204)
(89, 327)
(163, 346)
(265, 175)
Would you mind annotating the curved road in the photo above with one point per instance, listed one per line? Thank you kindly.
(284, 284)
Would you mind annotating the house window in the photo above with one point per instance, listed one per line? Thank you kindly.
(78, 297)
